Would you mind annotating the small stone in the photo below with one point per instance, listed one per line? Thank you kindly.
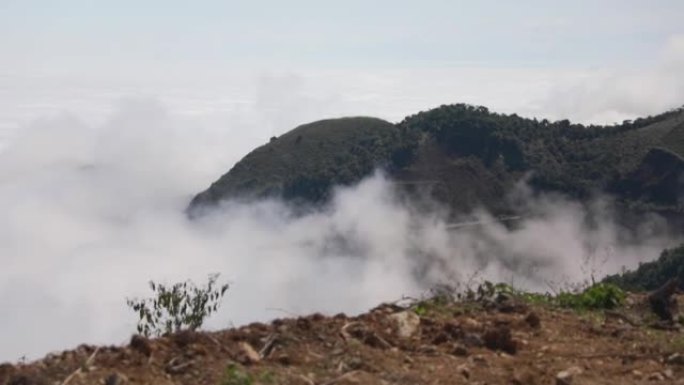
(524, 377)
(479, 360)
(668, 373)
(428, 349)
(471, 324)
(473, 340)
(675, 359)
(637, 374)
(464, 370)
(565, 377)
(115, 379)
(247, 354)
(459, 350)
(499, 338)
(655, 376)
(406, 322)
(533, 320)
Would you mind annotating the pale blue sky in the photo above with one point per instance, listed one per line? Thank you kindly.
(69, 34)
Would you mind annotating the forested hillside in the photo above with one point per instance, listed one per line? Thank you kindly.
(465, 156)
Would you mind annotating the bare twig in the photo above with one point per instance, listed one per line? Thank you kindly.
(343, 331)
(291, 314)
(268, 345)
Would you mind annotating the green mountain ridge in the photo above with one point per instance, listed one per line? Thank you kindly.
(466, 156)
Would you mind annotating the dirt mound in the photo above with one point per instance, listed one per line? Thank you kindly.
(447, 343)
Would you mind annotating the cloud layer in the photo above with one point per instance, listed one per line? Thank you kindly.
(94, 211)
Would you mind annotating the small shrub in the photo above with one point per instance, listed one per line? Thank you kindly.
(595, 297)
(178, 307)
(488, 291)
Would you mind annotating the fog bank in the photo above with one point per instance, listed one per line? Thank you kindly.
(94, 211)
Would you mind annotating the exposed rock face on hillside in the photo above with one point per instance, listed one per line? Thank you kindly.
(466, 156)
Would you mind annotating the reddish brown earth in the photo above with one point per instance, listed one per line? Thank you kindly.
(450, 343)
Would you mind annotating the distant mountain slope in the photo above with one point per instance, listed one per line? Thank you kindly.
(306, 162)
(652, 275)
(464, 156)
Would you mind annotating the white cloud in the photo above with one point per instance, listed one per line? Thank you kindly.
(92, 212)
(93, 185)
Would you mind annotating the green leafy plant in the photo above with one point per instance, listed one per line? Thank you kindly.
(180, 306)
(595, 297)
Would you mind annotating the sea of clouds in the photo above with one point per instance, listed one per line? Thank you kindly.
(94, 182)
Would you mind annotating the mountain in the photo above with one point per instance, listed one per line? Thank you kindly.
(464, 156)
(306, 162)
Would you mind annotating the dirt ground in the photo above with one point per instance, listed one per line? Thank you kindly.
(436, 343)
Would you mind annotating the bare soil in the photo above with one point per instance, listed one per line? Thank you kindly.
(449, 343)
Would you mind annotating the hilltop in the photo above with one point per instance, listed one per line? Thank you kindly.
(306, 162)
(494, 335)
(467, 156)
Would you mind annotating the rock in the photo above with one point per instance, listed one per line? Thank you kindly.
(565, 377)
(675, 359)
(655, 376)
(524, 377)
(283, 359)
(407, 323)
(473, 340)
(459, 350)
(464, 370)
(472, 324)
(479, 360)
(499, 338)
(115, 379)
(668, 373)
(533, 320)
(428, 349)
(371, 339)
(247, 355)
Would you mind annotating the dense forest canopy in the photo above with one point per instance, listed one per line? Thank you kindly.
(652, 275)
(471, 155)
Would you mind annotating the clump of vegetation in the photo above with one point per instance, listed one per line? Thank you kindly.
(571, 158)
(177, 307)
(599, 296)
(234, 375)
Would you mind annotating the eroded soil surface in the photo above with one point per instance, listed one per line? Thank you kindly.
(437, 343)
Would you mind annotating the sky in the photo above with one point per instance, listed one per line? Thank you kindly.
(114, 113)
(67, 36)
